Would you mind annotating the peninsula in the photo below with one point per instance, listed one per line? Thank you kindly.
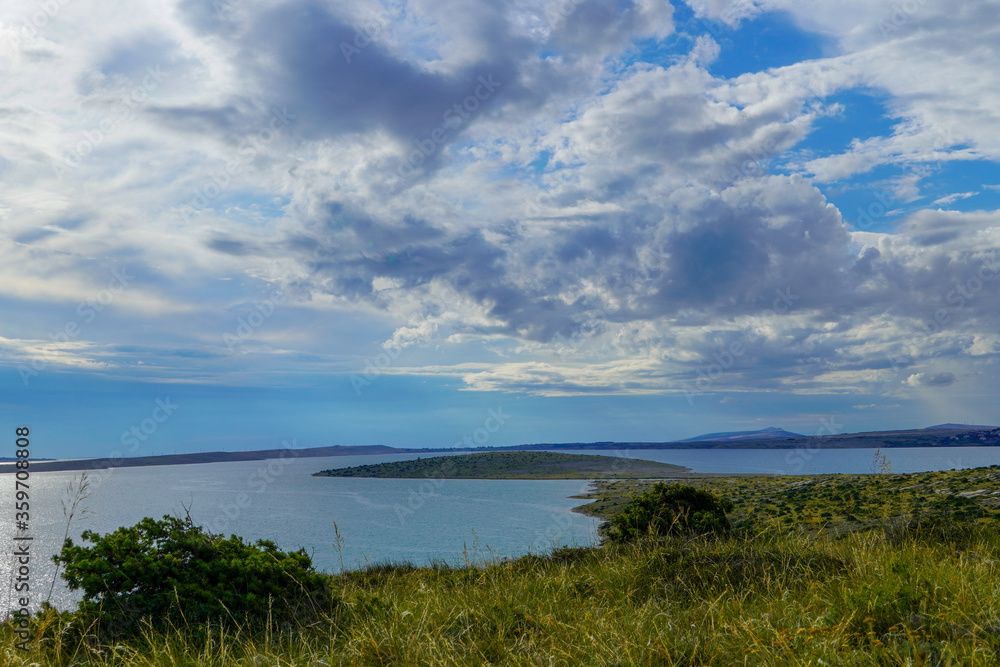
(515, 465)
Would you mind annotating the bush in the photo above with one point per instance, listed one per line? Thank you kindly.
(172, 571)
(669, 510)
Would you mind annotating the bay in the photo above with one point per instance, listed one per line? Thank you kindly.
(381, 520)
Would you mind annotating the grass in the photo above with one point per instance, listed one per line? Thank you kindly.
(836, 503)
(889, 586)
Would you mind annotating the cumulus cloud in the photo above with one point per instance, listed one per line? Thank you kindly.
(513, 186)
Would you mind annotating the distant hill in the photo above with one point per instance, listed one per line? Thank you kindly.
(942, 435)
(43, 465)
(764, 434)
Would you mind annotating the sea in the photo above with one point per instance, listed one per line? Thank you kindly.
(346, 523)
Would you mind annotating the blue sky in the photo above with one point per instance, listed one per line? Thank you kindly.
(356, 222)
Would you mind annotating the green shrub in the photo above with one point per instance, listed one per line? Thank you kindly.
(173, 572)
(669, 510)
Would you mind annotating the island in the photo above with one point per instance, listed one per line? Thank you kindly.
(515, 465)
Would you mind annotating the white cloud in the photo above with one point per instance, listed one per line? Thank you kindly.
(952, 198)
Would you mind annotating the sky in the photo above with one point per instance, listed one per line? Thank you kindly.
(233, 224)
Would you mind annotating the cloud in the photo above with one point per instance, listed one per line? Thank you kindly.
(875, 406)
(944, 379)
(600, 218)
(952, 198)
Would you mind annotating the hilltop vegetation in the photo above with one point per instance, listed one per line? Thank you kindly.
(834, 570)
(836, 503)
(514, 465)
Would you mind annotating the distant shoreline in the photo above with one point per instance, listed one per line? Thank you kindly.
(50, 465)
(938, 438)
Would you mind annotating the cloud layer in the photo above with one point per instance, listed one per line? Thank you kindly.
(554, 198)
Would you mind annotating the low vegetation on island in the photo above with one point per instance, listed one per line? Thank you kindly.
(825, 570)
(514, 465)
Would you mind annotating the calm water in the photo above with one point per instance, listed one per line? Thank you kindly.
(389, 519)
(379, 519)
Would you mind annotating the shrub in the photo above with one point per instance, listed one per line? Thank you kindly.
(669, 510)
(172, 571)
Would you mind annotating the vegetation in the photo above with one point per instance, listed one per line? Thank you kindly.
(669, 510)
(514, 465)
(171, 572)
(836, 504)
(835, 570)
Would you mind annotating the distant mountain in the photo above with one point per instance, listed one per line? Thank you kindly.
(958, 427)
(764, 434)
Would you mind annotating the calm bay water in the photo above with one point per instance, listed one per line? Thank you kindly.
(419, 521)
(380, 520)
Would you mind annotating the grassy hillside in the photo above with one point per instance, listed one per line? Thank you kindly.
(900, 572)
(836, 503)
(514, 465)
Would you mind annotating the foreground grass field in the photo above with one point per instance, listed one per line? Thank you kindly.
(911, 582)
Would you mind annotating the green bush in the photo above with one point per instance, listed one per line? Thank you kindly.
(173, 572)
(669, 510)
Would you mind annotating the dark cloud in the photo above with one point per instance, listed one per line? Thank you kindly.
(33, 235)
(935, 379)
(589, 25)
(588, 242)
(716, 259)
(338, 80)
(231, 246)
